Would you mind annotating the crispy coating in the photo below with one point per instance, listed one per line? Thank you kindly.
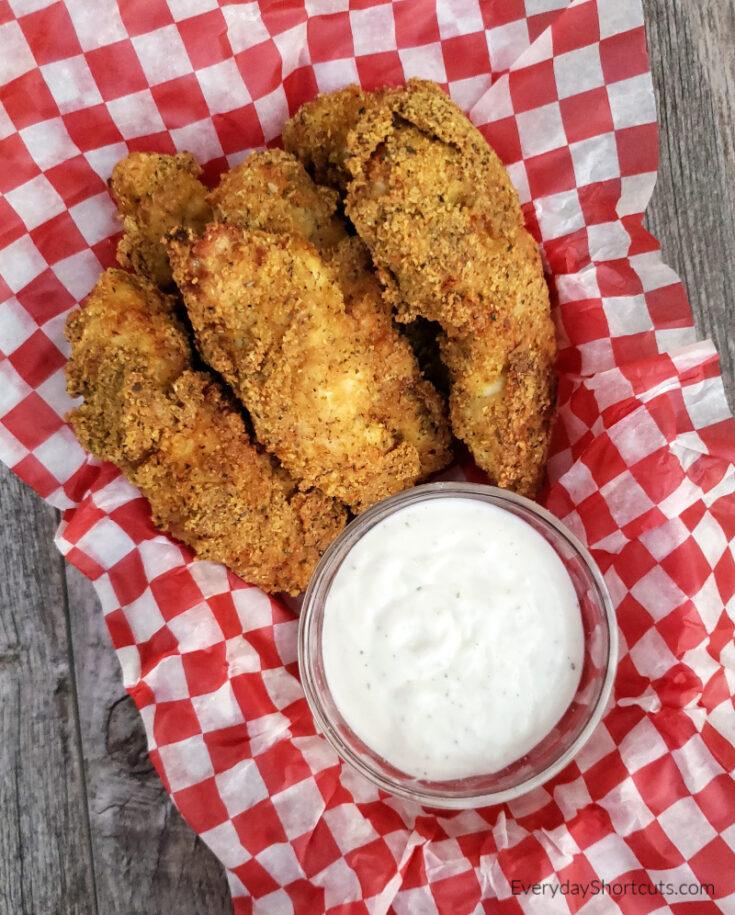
(317, 133)
(272, 191)
(154, 194)
(412, 404)
(178, 436)
(441, 218)
(127, 349)
(270, 317)
(212, 489)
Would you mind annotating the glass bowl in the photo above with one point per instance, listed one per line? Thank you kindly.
(565, 739)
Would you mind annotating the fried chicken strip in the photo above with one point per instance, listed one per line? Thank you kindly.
(127, 349)
(210, 487)
(271, 191)
(154, 194)
(412, 405)
(269, 315)
(317, 134)
(177, 435)
(441, 218)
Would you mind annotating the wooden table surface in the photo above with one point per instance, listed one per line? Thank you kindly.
(85, 824)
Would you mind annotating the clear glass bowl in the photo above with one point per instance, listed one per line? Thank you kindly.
(557, 748)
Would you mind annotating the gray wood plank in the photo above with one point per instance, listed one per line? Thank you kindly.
(692, 49)
(45, 860)
(146, 858)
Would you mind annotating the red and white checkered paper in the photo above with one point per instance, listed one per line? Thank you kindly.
(641, 467)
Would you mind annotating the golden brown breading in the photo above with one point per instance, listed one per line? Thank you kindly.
(413, 406)
(212, 489)
(270, 317)
(441, 218)
(270, 190)
(317, 133)
(154, 194)
(178, 436)
(435, 206)
(501, 403)
(127, 348)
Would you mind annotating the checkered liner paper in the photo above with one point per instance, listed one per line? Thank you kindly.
(641, 467)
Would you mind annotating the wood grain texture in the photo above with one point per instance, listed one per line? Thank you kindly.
(692, 50)
(86, 825)
(45, 861)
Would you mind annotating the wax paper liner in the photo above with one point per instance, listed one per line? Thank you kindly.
(641, 467)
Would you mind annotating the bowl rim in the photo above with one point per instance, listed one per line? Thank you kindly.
(344, 542)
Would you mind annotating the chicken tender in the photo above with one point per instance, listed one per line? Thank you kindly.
(177, 435)
(272, 191)
(127, 350)
(441, 218)
(317, 133)
(211, 488)
(436, 207)
(154, 194)
(414, 408)
(269, 315)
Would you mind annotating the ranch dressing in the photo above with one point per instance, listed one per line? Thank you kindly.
(452, 638)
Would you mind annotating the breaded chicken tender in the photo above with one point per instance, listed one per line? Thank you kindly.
(414, 408)
(211, 488)
(317, 133)
(271, 191)
(269, 315)
(441, 218)
(127, 349)
(154, 194)
(177, 435)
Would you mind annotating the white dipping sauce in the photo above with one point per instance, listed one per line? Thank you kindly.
(452, 638)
